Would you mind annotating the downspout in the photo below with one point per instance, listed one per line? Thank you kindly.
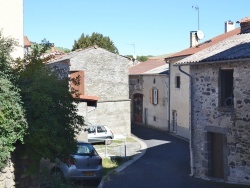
(190, 120)
(169, 75)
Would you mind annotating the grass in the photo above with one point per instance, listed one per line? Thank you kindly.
(110, 164)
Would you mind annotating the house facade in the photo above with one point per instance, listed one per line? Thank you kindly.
(179, 106)
(104, 92)
(148, 91)
(11, 23)
(220, 144)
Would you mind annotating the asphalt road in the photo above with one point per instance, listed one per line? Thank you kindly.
(164, 165)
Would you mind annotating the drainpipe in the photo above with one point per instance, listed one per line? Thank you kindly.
(190, 120)
(169, 75)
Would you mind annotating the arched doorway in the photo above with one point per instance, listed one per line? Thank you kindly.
(137, 107)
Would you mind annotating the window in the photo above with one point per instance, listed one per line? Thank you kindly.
(154, 96)
(101, 129)
(177, 82)
(226, 88)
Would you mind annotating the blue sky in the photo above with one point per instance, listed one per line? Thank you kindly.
(153, 27)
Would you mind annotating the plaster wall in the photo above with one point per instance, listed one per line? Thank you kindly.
(179, 102)
(11, 23)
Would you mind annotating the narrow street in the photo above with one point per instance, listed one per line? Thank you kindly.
(165, 164)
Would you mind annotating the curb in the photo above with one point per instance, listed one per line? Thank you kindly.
(142, 151)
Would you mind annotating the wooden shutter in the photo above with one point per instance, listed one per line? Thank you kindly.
(78, 87)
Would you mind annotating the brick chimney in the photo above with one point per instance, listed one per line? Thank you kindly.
(229, 26)
(52, 47)
(193, 39)
(244, 25)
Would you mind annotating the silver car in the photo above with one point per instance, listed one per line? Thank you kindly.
(99, 133)
(85, 164)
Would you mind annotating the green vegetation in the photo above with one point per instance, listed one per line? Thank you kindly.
(95, 39)
(141, 58)
(13, 124)
(51, 111)
(61, 49)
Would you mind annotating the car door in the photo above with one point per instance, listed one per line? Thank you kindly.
(101, 132)
(92, 136)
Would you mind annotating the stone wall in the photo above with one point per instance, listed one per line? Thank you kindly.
(7, 178)
(233, 123)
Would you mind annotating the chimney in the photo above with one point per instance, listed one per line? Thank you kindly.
(52, 47)
(229, 26)
(245, 25)
(193, 39)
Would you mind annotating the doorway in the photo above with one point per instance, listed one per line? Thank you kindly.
(216, 145)
(137, 107)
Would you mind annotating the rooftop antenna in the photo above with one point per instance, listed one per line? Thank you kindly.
(134, 56)
(196, 7)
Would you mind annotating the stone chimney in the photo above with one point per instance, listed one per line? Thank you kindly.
(193, 39)
(229, 26)
(244, 25)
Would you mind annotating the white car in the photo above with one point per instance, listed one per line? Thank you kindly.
(99, 133)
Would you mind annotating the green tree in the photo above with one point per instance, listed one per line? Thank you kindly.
(13, 124)
(51, 111)
(95, 39)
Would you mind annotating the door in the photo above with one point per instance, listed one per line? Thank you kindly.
(174, 119)
(217, 155)
(137, 107)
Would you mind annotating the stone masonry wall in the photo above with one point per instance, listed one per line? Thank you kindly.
(234, 124)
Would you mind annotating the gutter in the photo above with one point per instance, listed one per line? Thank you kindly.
(190, 120)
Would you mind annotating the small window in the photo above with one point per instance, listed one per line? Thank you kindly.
(154, 118)
(226, 88)
(154, 96)
(177, 82)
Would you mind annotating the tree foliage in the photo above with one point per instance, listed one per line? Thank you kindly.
(140, 58)
(13, 124)
(95, 39)
(50, 110)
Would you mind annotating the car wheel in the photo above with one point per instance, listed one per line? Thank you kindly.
(108, 142)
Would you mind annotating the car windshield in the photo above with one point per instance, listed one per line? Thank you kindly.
(85, 149)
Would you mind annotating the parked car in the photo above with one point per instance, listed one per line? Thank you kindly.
(99, 133)
(84, 164)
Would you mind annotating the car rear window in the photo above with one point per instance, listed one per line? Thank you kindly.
(86, 149)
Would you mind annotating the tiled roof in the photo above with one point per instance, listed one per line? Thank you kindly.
(206, 44)
(26, 42)
(143, 67)
(235, 47)
(246, 19)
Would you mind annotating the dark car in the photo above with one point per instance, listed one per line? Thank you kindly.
(84, 164)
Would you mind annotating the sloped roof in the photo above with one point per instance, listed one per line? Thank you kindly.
(235, 47)
(206, 44)
(246, 19)
(76, 53)
(26, 42)
(143, 67)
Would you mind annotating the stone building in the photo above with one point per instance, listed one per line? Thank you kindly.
(220, 113)
(103, 86)
(148, 91)
(179, 108)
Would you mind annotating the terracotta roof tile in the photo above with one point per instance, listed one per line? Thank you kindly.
(146, 66)
(26, 42)
(235, 47)
(246, 19)
(206, 44)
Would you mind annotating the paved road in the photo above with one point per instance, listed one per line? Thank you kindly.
(164, 165)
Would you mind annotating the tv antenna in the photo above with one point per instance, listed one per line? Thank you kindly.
(196, 7)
